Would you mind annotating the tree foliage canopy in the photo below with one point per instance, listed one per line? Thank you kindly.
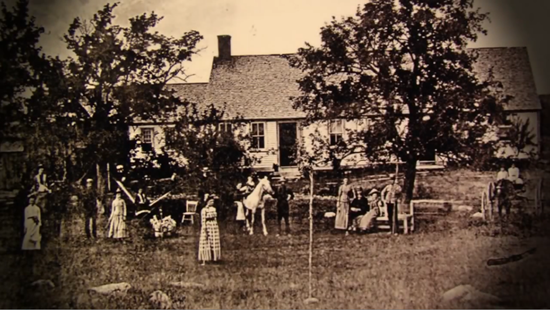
(407, 64)
(119, 74)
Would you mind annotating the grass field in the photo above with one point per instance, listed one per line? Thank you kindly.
(349, 272)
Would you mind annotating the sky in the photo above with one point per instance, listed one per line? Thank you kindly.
(283, 26)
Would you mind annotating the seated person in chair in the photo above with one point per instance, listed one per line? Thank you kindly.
(502, 174)
(513, 175)
(375, 203)
(358, 208)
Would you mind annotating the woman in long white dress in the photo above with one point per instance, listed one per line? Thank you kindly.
(117, 220)
(345, 196)
(33, 221)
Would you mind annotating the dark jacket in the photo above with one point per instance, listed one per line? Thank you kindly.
(89, 202)
(281, 195)
(359, 203)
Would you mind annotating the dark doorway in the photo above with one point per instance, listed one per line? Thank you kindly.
(287, 143)
(429, 154)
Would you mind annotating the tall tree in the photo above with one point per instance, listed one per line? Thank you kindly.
(407, 62)
(21, 61)
(118, 74)
(200, 142)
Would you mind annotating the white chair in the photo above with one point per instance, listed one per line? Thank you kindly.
(190, 211)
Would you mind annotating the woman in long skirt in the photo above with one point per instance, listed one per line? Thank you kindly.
(209, 241)
(345, 195)
(117, 220)
(375, 203)
(33, 221)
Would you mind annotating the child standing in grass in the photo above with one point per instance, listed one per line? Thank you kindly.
(209, 240)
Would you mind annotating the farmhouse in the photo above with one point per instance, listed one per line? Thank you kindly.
(258, 88)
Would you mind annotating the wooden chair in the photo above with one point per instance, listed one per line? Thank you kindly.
(190, 212)
(404, 219)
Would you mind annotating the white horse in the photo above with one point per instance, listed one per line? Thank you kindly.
(256, 200)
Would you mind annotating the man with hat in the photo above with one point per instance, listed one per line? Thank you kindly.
(89, 203)
(283, 195)
(390, 195)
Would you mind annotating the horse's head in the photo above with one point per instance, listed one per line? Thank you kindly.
(266, 186)
(503, 188)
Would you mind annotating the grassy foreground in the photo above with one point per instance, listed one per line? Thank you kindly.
(350, 272)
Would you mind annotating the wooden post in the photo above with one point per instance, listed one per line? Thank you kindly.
(109, 177)
(483, 206)
(310, 298)
(98, 177)
(395, 216)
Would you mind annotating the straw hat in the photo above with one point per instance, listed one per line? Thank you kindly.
(374, 191)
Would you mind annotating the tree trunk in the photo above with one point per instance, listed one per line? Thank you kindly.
(410, 177)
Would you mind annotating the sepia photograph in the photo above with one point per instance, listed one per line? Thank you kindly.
(245, 154)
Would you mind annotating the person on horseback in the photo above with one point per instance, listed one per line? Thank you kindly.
(502, 174)
(243, 190)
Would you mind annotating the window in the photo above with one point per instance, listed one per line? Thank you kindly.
(336, 131)
(258, 135)
(169, 134)
(226, 127)
(146, 139)
(504, 132)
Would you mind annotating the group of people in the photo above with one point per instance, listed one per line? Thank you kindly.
(512, 174)
(88, 201)
(357, 213)
(209, 239)
(282, 193)
(37, 201)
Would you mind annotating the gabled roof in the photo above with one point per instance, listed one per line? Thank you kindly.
(192, 92)
(259, 86)
(255, 87)
(511, 66)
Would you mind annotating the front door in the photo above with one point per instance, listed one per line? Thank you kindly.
(287, 144)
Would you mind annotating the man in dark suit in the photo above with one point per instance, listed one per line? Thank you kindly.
(89, 201)
(283, 195)
(142, 201)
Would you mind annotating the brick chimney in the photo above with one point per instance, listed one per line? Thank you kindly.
(224, 47)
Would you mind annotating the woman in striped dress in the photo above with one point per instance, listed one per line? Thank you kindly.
(117, 220)
(209, 241)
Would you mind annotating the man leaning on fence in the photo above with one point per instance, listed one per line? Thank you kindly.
(391, 195)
